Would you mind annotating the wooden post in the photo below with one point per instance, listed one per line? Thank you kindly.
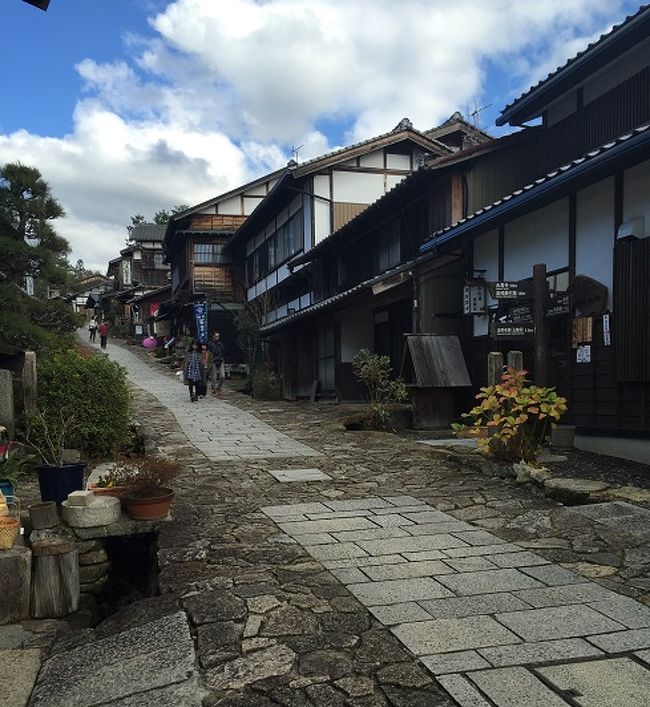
(515, 360)
(539, 319)
(495, 367)
(55, 579)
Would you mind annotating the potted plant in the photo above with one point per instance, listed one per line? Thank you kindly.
(12, 460)
(113, 483)
(146, 486)
(47, 435)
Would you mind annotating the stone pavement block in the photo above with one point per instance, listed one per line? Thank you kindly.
(315, 539)
(449, 635)
(403, 509)
(403, 500)
(294, 509)
(479, 537)
(427, 568)
(187, 694)
(397, 591)
(515, 687)
(420, 543)
(408, 612)
(559, 596)
(621, 641)
(391, 519)
(349, 575)
(325, 526)
(644, 655)
(447, 526)
(364, 561)
(477, 550)
(463, 692)
(625, 610)
(18, 671)
(337, 551)
(517, 559)
(330, 515)
(433, 516)
(458, 607)
(539, 652)
(370, 534)
(488, 581)
(356, 504)
(454, 662)
(470, 564)
(615, 681)
(557, 622)
(289, 475)
(553, 575)
(425, 555)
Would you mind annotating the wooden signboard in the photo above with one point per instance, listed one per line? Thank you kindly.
(559, 306)
(513, 331)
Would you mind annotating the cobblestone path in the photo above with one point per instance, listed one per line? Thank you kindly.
(399, 580)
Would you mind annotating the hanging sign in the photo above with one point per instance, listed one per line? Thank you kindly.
(583, 353)
(582, 331)
(511, 289)
(474, 298)
(607, 335)
(201, 321)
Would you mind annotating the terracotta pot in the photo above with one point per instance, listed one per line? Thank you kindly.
(149, 508)
(115, 491)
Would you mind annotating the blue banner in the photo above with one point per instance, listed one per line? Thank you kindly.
(201, 321)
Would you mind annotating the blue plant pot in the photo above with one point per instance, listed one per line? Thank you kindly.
(56, 482)
(7, 488)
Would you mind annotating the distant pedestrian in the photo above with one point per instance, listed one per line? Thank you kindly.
(206, 356)
(103, 334)
(194, 371)
(218, 370)
(92, 329)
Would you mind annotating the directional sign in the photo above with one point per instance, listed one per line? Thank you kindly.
(511, 290)
(513, 331)
(559, 306)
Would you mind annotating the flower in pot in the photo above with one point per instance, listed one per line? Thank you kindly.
(12, 461)
(47, 434)
(113, 483)
(146, 486)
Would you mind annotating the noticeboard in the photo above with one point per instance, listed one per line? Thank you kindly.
(511, 290)
(513, 331)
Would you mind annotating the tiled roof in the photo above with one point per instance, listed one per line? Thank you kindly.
(545, 182)
(148, 232)
(584, 54)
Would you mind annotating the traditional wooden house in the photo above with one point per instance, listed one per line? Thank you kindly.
(585, 217)
(311, 202)
(201, 269)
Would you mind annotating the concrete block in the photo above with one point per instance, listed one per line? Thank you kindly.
(621, 641)
(539, 652)
(459, 662)
(15, 584)
(463, 692)
(553, 575)
(80, 498)
(559, 596)
(515, 686)
(397, 591)
(458, 607)
(625, 610)
(517, 559)
(408, 612)
(488, 581)
(18, 671)
(421, 543)
(404, 570)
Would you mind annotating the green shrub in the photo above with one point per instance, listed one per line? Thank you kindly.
(266, 383)
(84, 398)
(374, 371)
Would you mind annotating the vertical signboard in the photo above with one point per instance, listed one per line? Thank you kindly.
(201, 321)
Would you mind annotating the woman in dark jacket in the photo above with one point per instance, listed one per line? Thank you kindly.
(194, 371)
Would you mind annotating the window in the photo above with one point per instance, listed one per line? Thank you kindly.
(208, 253)
(387, 249)
(278, 247)
(158, 261)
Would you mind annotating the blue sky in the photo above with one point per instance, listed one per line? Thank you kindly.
(129, 106)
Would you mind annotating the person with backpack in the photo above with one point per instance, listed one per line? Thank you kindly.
(194, 371)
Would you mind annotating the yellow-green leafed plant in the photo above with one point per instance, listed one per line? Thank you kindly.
(518, 417)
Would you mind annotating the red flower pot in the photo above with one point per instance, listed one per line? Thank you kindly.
(149, 508)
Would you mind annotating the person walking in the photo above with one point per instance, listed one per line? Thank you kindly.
(103, 334)
(206, 356)
(194, 370)
(217, 350)
(92, 328)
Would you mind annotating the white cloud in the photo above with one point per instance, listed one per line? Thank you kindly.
(220, 91)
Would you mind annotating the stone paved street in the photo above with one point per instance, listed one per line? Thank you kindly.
(397, 579)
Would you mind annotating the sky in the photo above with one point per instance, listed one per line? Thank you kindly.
(131, 106)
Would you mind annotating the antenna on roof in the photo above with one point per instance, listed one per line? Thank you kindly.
(474, 115)
(294, 152)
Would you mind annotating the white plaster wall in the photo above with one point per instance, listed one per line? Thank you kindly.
(393, 179)
(373, 159)
(636, 194)
(357, 188)
(250, 204)
(259, 190)
(486, 257)
(230, 207)
(395, 161)
(595, 233)
(357, 331)
(322, 225)
(209, 210)
(538, 237)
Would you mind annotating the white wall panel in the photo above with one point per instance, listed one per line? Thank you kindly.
(357, 188)
(393, 179)
(322, 224)
(250, 204)
(636, 194)
(595, 233)
(259, 190)
(230, 207)
(539, 237)
(395, 161)
(373, 159)
(486, 257)
(209, 210)
(322, 185)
